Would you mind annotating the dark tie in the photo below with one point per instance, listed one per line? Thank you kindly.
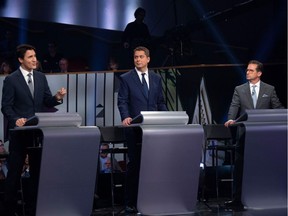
(30, 84)
(144, 84)
(254, 95)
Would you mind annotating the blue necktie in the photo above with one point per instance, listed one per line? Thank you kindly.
(254, 95)
(144, 84)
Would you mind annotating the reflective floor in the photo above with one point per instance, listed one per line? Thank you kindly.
(210, 208)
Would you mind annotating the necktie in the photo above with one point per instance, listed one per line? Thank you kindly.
(254, 95)
(30, 84)
(144, 84)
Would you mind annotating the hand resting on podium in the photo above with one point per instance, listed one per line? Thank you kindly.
(32, 121)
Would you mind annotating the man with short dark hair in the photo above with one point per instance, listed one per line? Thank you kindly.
(253, 94)
(25, 92)
(140, 90)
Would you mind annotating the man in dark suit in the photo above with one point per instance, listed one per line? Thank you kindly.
(24, 93)
(140, 90)
(265, 98)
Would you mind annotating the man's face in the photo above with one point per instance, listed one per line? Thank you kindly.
(141, 60)
(252, 74)
(2, 149)
(29, 62)
(63, 64)
(140, 17)
(103, 155)
(108, 164)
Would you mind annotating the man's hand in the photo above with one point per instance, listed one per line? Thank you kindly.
(229, 122)
(127, 121)
(21, 122)
(60, 94)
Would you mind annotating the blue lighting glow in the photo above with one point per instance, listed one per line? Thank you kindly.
(110, 13)
(66, 12)
(129, 10)
(220, 39)
(15, 8)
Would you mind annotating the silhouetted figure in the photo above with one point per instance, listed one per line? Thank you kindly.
(136, 34)
(51, 59)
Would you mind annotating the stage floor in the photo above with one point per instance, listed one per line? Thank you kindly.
(208, 208)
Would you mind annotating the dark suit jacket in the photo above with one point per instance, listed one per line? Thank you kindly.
(131, 97)
(242, 99)
(17, 101)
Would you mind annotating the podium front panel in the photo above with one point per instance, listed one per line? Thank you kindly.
(68, 171)
(170, 167)
(265, 166)
(265, 160)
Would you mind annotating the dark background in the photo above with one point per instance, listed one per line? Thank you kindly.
(214, 32)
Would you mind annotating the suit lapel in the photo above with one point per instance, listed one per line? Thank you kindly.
(23, 83)
(139, 84)
(36, 84)
(249, 96)
(261, 93)
(151, 83)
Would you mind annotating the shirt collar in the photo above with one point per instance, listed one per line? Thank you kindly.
(256, 84)
(140, 72)
(25, 72)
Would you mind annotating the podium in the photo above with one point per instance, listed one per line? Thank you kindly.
(265, 160)
(69, 158)
(170, 163)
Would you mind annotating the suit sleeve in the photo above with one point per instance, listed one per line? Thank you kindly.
(8, 97)
(235, 105)
(49, 99)
(123, 99)
(275, 102)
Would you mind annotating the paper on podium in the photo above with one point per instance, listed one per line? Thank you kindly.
(32, 121)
